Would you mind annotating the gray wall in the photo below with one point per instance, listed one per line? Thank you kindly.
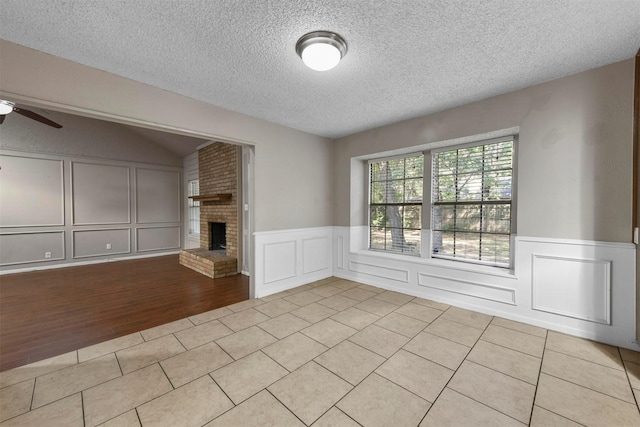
(293, 186)
(61, 208)
(574, 165)
(82, 136)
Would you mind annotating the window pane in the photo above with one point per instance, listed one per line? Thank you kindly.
(495, 249)
(412, 242)
(467, 245)
(377, 238)
(395, 169)
(414, 167)
(395, 219)
(463, 225)
(413, 190)
(444, 188)
(443, 243)
(394, 216)
(378, 216)
(413, 217)
(377, 192)
(497, 185)
(497, 219)
(470, 187)
(395, 192)
(468, 218)
(376, 170)
(498, 156)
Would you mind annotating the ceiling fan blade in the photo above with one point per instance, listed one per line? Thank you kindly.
(35, 116)
(2, 118)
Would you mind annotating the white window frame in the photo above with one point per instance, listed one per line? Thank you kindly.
(369, 203)
(513, 201)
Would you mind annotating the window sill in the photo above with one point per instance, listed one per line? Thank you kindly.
(440, 263)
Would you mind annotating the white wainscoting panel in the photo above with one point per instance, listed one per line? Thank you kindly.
(573, 287)
(467, 287)
(280, 261)
(285, 259)
(340, 252)
(396, 274)
(315, 254)
(582, 288)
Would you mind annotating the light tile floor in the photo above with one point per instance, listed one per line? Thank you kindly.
(331, 353)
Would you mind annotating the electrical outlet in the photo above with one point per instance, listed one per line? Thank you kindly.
(108, 246)
(47, 254)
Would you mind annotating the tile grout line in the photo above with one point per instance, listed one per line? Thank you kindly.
(517, 330)
(509, 348)
(593, 390)
(535, 393)
(84, 422)
(590, 361)
(626, 371)
(285, 406)
(455, 371)
(33, 394)
(137, 415)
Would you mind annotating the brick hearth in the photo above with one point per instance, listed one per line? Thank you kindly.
(209, 263)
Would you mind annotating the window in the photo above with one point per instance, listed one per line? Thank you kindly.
(395, 208)
(193, 189)
(471, 203)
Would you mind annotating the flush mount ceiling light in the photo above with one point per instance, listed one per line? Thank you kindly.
(321, 50)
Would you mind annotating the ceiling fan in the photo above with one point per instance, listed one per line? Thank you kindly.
(7, 107)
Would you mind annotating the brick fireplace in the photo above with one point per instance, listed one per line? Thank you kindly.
(219, 167)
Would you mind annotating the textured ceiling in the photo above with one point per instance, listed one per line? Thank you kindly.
(406, 58)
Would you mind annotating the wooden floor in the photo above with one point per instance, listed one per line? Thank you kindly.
(50, 312)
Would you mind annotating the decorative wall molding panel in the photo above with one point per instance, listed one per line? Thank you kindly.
(60, 210)
(285, 259)
(157, 238)
(28, 247)
(100, 194)
(157, 195)
(44, 179)
(103, 242)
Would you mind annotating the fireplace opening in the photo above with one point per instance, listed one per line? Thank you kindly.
(217, 236)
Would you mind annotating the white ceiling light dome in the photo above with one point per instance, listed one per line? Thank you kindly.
(321, 50)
